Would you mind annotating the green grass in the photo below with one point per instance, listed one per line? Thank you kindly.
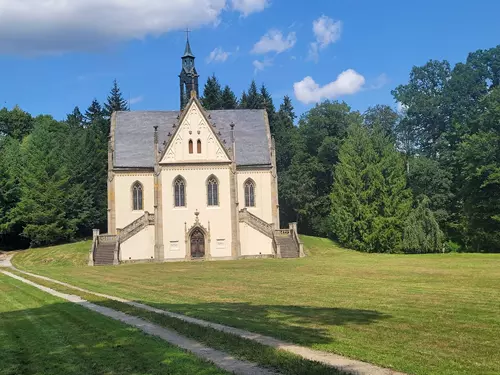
(419, 314)
(283, 362)
(42, 334)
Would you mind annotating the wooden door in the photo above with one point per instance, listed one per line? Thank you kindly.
(197, 244)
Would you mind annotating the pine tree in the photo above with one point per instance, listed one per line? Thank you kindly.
(96, 142)
(10, 191)
(370, 201)
(75, 118)
(268, 105)
(94, 112)
(254, 99)
(115, 101)
(212, 94)
(229, 100)
(44, 185)
(243, 101)
(287, 107)
(285, 134)
(95, 117)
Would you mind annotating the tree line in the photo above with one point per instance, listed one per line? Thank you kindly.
(53, 174)
(422, 178)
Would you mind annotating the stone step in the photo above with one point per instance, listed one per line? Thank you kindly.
(288, 247)
(104, 254)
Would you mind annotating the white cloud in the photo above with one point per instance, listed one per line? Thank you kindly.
(261, 65)
(218, 55)
(249, 6)
(52, 27)
(136, 100)
(326, 32)
(347, 83)
(380, 82)
(274, 41)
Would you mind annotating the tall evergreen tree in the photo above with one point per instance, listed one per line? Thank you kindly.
(96, 142)
(44, 185)
(268, 105)
(229, 100)
(254, 99)
(75, 118)
(370, 201)
(243, 104)
(287, 108)
(10, 192)
(212, 94)
(94, 112)
(95, 117)
(286, 135)
(115, 101)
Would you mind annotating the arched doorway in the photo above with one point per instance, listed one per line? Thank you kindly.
(197, 244)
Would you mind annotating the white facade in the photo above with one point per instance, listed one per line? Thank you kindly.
(204, 223)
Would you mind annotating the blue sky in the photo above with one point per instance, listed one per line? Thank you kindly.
(56, 55)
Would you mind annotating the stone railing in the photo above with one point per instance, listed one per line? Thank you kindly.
(295, 236)
(93, 247)
(282, 232)
(256, 223)
(107, 238)
(136, 226)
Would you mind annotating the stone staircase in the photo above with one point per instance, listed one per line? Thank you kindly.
(286, 242)
(287, 246)
(105, 248)
(105, 254)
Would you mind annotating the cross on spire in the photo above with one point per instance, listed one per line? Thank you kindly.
(187, 31)
(187, 50)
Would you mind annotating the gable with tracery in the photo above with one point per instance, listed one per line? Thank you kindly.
(195, 140)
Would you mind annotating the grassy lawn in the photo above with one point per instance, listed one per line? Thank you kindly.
(274, 359)
(422, 314)
(42, 334)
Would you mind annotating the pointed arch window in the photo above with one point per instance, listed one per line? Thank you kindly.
(137, 196)
(249, 193)
(190, 146)
(198, 146)
(179, 192)
(213, 191)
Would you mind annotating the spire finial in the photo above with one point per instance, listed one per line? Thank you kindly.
(187, 50)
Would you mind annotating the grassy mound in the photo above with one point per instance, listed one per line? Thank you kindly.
(69, 255)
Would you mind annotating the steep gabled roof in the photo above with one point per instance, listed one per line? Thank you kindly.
(134, 135)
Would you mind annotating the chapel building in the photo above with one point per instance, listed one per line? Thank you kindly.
(192, 184)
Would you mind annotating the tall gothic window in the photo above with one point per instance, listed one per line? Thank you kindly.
(190, 146)
(180, 192)
(198, 146)
(213, 191)
(137, 196)
(249, 193)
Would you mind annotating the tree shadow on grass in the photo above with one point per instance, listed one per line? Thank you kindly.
(65, 339)
(303, 325)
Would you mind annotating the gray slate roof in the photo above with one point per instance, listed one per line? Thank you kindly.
(134, 135)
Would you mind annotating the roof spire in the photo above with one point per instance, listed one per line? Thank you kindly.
(187, 50)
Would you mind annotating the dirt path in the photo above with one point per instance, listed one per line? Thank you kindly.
(5, 259)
